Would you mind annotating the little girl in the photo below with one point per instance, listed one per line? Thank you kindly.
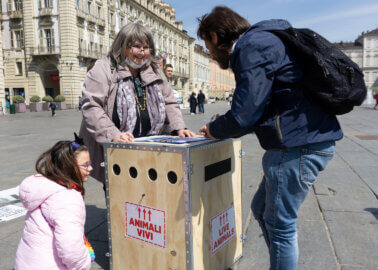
(53, 236)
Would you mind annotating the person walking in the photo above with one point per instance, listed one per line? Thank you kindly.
(193, 103)
(53, 236)
(53, 106)
(298, 137)
(80, 103)
(376, 101)
(201, 101)
(125, 95)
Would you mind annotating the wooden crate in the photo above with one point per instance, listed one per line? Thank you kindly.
(174, 206)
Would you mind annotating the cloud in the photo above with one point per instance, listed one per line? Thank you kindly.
(345, 14)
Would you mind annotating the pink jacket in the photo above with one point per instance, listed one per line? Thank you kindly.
(60, 247)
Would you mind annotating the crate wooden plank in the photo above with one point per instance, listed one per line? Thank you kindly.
(212, 197)
(129, 253)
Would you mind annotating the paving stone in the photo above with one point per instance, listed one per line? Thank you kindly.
(314, 253)
(309, 210)
(346, 191)
(353, 235)
(38, 131)
(364, 158)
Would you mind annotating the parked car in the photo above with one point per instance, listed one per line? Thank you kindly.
(211, 100)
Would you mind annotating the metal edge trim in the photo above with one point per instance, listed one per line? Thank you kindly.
(188, 210)
(105, 147)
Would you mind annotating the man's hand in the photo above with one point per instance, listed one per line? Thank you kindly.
(185, 133)
(124, 137)
(205, 131)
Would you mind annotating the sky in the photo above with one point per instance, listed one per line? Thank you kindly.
(336, 20)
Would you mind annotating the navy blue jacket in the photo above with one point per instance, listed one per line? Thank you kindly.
(267, 98)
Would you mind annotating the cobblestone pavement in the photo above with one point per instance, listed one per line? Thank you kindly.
(338, 223)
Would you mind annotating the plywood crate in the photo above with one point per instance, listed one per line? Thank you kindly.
(174, 206)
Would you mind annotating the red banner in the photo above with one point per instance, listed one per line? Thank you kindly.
(55, 78)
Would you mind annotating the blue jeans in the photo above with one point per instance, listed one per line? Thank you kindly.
(201, 108)
(288, 177)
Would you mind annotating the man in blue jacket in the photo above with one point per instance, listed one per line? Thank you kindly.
(299, 138)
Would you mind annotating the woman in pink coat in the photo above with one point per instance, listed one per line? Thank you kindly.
(53, 236)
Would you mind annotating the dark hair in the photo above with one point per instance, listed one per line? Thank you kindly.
(59, 164)
(167, 66)
(226, 23)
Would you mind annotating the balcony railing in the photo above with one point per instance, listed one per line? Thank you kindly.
(15, 14)
(101, 22)
(41, 50)
(179, 74)
(45, 11)
(94, 54)
(91, 18)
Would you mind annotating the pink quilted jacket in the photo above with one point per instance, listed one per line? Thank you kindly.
(60, 246)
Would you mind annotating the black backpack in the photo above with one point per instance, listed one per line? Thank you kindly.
(330, 79)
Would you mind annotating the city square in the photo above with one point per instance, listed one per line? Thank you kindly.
(337, 223)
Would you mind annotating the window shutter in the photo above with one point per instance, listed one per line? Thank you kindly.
(41, 45)
(11, 36)
(10, 6)
(39, 4)
(21, 38)
(52, 37)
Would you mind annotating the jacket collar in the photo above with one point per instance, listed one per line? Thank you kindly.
(147, 74)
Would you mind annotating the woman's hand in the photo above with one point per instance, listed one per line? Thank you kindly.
(124, 137)
(205, 131)
(185, 133)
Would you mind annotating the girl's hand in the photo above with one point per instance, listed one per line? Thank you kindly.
(185, 133)
(124, 137)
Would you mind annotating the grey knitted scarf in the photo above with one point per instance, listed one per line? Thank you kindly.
(126, 107)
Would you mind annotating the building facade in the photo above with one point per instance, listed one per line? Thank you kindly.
(222, 82)
(200, 77)
(364, 52)
(49, 45)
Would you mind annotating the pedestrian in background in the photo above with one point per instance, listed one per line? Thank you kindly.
(53, 106)
(193, 103)
(201, 101)
(376, 101)
(230, 99)
(299, 137)
(125, 96)
(53, 236)
(168, 71)
(80, 103)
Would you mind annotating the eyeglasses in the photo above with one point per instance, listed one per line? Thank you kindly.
(86, 166)
(139, 48)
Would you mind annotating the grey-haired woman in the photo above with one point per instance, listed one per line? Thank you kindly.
(124, 96)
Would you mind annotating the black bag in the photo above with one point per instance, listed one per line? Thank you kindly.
(330, 79)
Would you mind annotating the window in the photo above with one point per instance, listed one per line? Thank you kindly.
(46, 39)
(48, 3)
(17, 4)
(19, 91)
(89, 7)
(99, 12)
(45, 3)
(17, 39)
(19, 68)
